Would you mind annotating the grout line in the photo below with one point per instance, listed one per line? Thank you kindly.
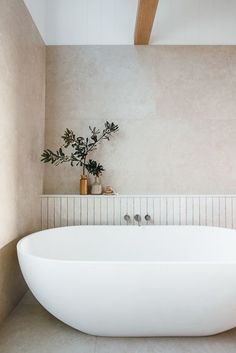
(95, 345)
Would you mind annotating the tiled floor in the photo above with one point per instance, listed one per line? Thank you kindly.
(30, 329)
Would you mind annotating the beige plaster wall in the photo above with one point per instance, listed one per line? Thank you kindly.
(22, 112)
(175, 106)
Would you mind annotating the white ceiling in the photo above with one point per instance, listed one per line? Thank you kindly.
(74, 22)
(37, 8)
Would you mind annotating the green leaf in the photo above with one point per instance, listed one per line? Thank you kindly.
(94, 168)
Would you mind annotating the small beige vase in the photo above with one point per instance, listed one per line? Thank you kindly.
(96, 188)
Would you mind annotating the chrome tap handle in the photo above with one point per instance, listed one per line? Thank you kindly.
(127, 218)
(147, 218)
(137, 218)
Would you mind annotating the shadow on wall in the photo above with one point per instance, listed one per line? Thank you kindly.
(12, 284)
(22, 87)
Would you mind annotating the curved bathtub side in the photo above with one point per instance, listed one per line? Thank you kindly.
(135, 299)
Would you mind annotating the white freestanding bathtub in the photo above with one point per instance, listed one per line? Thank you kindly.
(135, 281)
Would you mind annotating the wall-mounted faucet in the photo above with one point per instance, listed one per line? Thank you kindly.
(137, 218)
(147, 218)
(127, 218)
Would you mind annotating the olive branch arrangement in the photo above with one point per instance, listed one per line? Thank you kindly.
(82, 147)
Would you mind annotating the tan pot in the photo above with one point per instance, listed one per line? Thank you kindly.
(83, 185)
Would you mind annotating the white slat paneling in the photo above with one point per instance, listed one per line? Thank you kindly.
(44, 212)
(84, 211)
(104, 210)
(183, 210)
(210, 210)
(117, 214)
(222, 214)
(91, 210)
(216, 211)
(196, 211)
(64, 213)
(143, 208)
(156, 210)
(163, 210)
(176, 211)
(123, 209)
(77, 211)
(229, 212)
(234, 212)
(57, 211)
(170, 211)
(110, 211)
(136, 206)
(202, 211)
(70, 211)
(189, 211)
(51, 212)
(97, 211)
(150, 209)
(130, 208)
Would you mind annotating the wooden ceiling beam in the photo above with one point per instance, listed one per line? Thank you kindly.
(144, 21)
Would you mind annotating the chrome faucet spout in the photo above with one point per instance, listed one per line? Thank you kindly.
(137, 218)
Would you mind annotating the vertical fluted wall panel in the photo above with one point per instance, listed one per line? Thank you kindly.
(69, 210)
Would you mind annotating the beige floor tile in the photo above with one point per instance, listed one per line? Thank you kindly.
(31, 329)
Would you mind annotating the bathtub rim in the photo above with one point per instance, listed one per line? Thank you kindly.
(21, 250)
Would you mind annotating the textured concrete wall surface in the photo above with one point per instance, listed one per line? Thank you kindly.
(175, 106)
